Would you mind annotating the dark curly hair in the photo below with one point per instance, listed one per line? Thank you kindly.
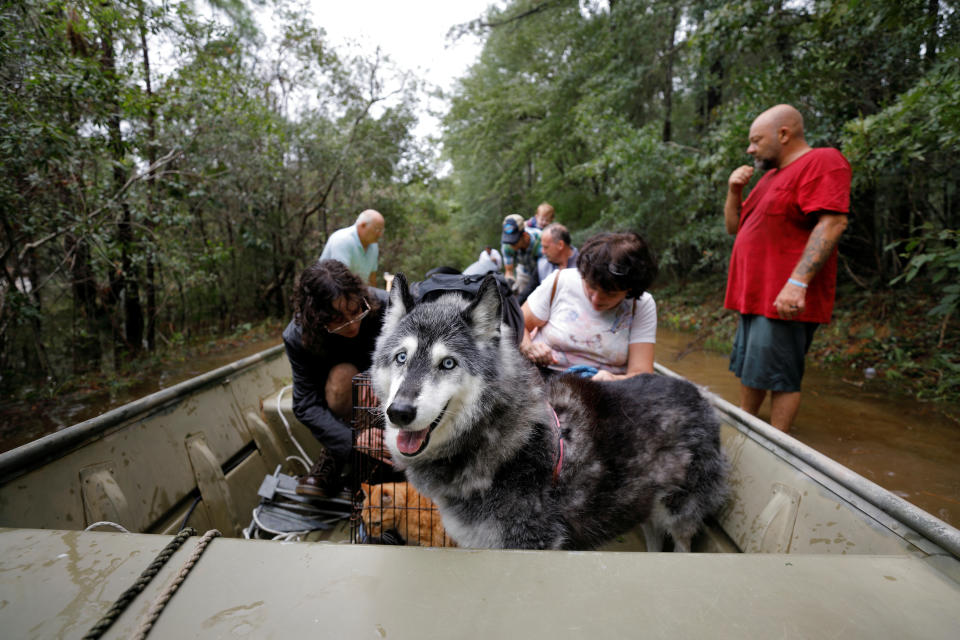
(617, 262)
(317, 288)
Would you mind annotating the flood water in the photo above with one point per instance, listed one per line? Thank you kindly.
(908, 447)
(21, 423)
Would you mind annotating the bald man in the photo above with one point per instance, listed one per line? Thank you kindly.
(356, 246)
(783, 268)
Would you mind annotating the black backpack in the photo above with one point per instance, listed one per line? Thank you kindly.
(438, 283)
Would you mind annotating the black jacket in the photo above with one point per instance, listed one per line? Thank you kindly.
(311, 368)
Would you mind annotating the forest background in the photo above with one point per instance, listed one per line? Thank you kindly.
(144, 210)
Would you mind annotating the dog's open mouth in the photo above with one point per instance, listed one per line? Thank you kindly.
(411, 443)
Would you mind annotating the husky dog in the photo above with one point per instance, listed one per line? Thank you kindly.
(511, 464)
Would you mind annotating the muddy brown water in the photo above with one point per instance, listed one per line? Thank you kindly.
(907, 447)
(21, 423)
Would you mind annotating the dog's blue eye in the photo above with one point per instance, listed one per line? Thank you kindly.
(401, 357)
(448, 363)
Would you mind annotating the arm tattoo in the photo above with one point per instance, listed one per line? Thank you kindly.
(819, 247)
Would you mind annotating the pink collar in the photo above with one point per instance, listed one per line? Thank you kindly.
(556, 424)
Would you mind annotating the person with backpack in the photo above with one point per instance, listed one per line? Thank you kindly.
(521, 250)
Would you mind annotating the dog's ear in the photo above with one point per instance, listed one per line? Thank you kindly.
(484, 312)
(399, 304)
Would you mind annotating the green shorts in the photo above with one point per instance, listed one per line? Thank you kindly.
(769, 354)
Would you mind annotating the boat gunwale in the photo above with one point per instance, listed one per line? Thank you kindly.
(22, 459)
(923, 523)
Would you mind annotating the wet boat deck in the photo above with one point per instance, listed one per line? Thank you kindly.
(263, 589)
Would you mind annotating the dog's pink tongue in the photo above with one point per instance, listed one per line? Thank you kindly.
(410, 441)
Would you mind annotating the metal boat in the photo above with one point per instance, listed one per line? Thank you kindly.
(805, 548)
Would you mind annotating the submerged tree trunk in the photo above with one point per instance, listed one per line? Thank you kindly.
(123, 282)
(149, 222)
(933, 35)
(668, 80)
(714, 89)
(86, 348)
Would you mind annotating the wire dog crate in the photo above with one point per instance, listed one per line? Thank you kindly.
(386, 509)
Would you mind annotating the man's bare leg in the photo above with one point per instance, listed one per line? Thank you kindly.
(751, 399)
(783, 409)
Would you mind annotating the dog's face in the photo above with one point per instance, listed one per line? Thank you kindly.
(428, 365)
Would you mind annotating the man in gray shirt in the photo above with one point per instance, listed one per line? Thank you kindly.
(558, 253)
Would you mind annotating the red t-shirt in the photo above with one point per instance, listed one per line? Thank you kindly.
(775, 224)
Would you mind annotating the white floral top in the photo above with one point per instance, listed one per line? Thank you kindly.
(579, 335)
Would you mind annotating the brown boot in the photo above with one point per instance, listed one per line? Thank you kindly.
(323, 480)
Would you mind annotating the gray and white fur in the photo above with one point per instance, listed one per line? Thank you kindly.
(471, 421)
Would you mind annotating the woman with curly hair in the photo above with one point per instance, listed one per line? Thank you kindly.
(336, 322)
(597, 317)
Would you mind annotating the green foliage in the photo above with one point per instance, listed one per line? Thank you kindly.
(145, 207)
(633, 113)
(591, 108)
(140, 203)
(938, 253)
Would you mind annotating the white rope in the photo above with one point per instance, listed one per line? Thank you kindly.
(275, 532)
(293, 536)
(286, 424)
(306, 464)
(104, 523)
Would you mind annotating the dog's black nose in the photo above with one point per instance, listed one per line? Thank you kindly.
(401, 413)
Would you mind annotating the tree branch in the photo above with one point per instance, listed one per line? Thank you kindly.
(30, 246)
(480, 24)
(374, 98)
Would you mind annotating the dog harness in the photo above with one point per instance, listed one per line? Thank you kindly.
(556, 424)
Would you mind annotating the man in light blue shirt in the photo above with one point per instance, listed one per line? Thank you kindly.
(356, 246)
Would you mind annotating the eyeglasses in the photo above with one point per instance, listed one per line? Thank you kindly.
(360, 316)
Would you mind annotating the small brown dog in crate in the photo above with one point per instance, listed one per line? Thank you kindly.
(397, 506)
